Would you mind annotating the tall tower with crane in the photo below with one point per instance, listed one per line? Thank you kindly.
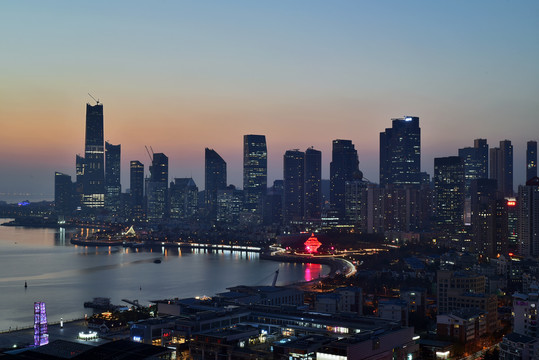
(94, 158)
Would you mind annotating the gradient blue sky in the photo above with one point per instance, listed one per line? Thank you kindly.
(184, 75)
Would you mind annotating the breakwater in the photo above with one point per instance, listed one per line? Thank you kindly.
(336, 265)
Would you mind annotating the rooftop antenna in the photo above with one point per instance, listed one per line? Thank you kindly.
(96, 100)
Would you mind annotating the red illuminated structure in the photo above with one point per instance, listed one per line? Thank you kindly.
(312, 244)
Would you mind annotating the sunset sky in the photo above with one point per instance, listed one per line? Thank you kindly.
(184, 75)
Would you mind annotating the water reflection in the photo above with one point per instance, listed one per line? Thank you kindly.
(312, 271)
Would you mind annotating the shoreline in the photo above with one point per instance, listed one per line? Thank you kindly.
(207, 246)
(336, 265)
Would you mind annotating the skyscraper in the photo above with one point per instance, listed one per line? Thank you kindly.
(400, 152)
(215, 179)
(255, 172)
(113, 187)
(94, 158)
(531, 160)
(489, 218)
(183, 199)
(313, 179)
(293, 172)
(501, 167)
(449, 193)
(343, 167)
(63, 194)
(475, 167)
(80, 166)
(136, 185)
(475, 163)
(158, 188)
(528, 218)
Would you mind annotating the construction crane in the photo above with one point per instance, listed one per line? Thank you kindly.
(96, 100)
(148, 151)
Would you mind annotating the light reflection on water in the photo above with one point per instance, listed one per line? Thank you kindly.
(65, 276)
(313, 271)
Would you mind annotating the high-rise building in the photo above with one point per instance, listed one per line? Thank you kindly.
(255, 172)
(293, 175)
(136, 188)
(531, 160)
(343, 167)
(273, 208)
(94, 159)
(400, 152)
(528, 218)
(229, 205)
(63, 194)
(475, 167)
(501, 167)
(512, 223)
(313, 179)
(489, 218)
(158, 188)
(79, 180)
(449, 193)
(215, 179)
(475, 163)
(113, 187)
(183, 199)
(355, 200)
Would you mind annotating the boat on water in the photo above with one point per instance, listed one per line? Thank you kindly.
(157, 261)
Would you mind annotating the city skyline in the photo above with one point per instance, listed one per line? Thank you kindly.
(192, 76)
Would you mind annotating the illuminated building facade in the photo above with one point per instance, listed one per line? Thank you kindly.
(531, 160)
(512, 223)
(501, 167)
(113, 187)
(136, 188)
(215, 179)
(94, 159)
(41, 331)
(255, 172)
(400, 152)
(313, 180)
(157, 193)
(343, 167)
(293, 173)
(449, 193)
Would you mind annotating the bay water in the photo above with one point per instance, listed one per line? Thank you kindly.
(64, 276)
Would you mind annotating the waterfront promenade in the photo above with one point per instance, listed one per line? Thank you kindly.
(69, 332)
(337, 265)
